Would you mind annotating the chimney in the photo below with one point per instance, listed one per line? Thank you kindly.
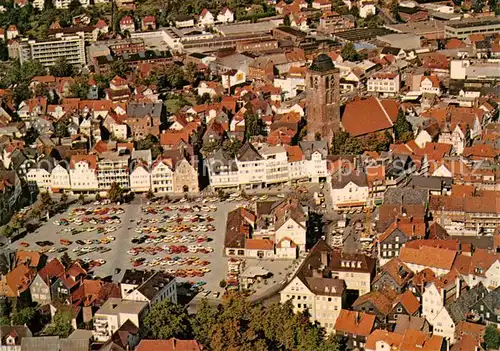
(324, 258)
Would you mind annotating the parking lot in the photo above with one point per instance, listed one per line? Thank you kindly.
(183, 238)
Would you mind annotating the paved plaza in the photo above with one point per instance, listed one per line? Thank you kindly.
(139, 220)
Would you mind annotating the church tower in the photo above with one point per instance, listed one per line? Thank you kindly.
(323, 99)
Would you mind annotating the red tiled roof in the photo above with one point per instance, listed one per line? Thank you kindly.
(356, 323)
(392, 339)
(409, 301)
(90, 159)
(172, 344)
(32, 258)
(51, 270)
(369, 115)
(428, 257)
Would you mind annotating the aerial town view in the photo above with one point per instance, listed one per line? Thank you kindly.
(249, 175)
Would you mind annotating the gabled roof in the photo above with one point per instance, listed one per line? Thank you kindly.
(391, 339)
(411, 227)
(356, 323)
(397, 270)
(52, 269)
(370, 115)
(172, 344)
(381, 300)
(428, 256)
(248, 153)
(341, 179)
(409, 302)
(238, 227)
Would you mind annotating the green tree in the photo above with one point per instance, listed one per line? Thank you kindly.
(62, 68)
(115, 192)
(61, 325)
(190, 72)
(203, 99)
(478, 5)
(7, 231)
(231, 146)
(21, 93)
(31, 136)
(79, 88)
(286, 21)
(81, 199)
(46, 202)
(64, 198)
(349, 53)
(35, 213)
(150, 142)
(343, 143)
(119, 68)
(492, 337)
(402, 128)
(494, 7)
(253, 125)
(66, 260)
(4, 51)
(167, 320)
(74, 5)
(23, 316)
(150, 195)
(203, 322)
(4, 269)
(395, 10)
(5, 309)
(61, 129)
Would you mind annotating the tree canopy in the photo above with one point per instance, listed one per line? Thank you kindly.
(115, 192)
(253, 125)
(344, 144)
(239, 324)
(167, 320)
(61, 325)
(349, 53)
(402, 128)
(492, 337)
(62, 68)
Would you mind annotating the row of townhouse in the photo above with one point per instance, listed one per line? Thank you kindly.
(258, 166)
(90, 173)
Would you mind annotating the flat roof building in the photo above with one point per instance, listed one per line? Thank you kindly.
(47, 51)
(429, 29)
(465, 27)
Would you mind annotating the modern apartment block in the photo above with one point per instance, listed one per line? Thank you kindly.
(112, 168)
(463, 28)
(47, 51)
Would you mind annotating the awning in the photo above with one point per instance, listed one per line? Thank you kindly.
(352, 204)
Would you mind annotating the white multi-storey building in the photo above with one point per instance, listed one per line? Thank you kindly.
(140, 179)
(162, 176)
(315, 289)
(39, 178)
(114, 313)
(149, 286)
(384, 83)
(349, 190)
(83, 173)
(255, 167)
(59, 179)
(47, 51)
(113, 167)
